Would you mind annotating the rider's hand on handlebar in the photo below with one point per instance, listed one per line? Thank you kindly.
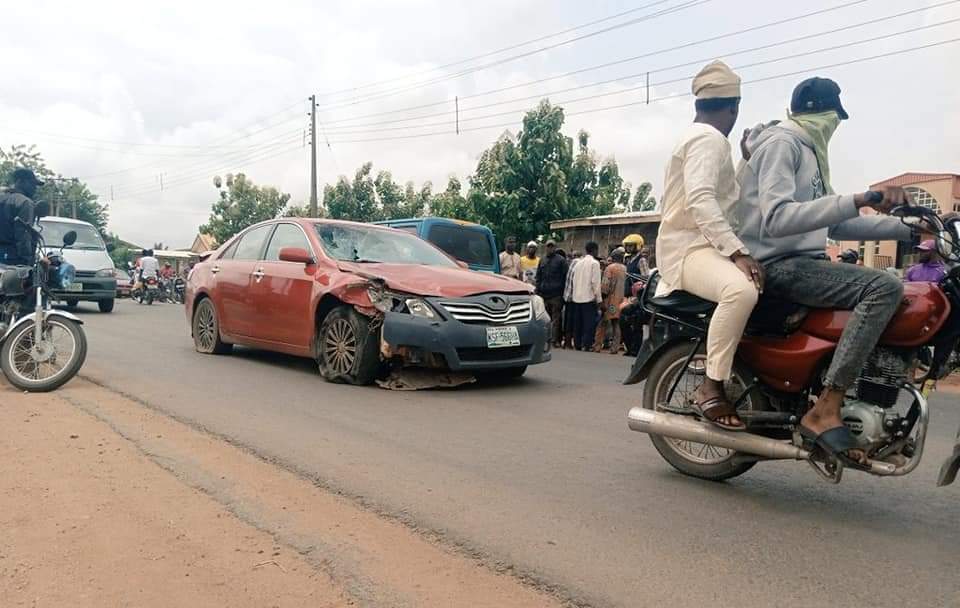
(751, 268)
(893, 196)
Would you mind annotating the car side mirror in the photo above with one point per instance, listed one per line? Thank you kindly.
(297, 255)
(70, 238)
(463, 264)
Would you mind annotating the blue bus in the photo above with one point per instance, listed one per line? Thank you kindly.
(468, 242)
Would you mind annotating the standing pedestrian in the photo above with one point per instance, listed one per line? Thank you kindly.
(529, 264)
(586, 297)
(568, 308)
(614, 278)
(551, 280)
(510, 259)
(931, 268)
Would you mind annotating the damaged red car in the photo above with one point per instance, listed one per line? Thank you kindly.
(360, 299)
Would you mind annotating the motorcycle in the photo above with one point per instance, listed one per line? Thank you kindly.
(179, 290)
(779, 368)
(146, 291)
(40, 348)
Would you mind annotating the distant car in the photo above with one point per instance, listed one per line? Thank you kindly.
(465, 241)
(359, 298)
(123, 282)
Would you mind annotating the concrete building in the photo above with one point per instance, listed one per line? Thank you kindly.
(939, 191)
(608, 230)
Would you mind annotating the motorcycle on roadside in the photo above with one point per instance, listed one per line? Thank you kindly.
(780, 363)
(40, 348)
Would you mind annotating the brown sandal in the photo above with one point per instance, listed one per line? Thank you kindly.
(715, 408)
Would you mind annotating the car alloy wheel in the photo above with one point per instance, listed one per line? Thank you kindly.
(206, 328)
(340, 346)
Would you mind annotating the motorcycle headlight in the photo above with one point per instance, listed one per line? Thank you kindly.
(539, 309)
(105, 272)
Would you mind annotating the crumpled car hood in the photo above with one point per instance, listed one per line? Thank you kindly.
(436, 281)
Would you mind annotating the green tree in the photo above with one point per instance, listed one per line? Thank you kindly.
(242, 204)
(642, 200)
(451, 202)
(62, 194)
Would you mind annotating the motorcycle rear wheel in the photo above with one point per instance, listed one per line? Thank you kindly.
(696, 459)
(49, 365)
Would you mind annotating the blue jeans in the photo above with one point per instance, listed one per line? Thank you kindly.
(873, 295)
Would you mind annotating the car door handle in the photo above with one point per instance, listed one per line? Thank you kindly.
(215, 269)
(258, 273)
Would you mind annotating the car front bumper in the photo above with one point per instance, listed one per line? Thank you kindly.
(460, 346)
(94, 290)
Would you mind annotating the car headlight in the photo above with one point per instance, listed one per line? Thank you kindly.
(539, 309)
(105, 272)
(419, 308)
(386, 301)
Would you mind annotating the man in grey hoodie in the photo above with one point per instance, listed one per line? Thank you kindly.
(786, 212)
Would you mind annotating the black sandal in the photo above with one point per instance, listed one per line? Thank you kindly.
(835, 443)
(715, 408)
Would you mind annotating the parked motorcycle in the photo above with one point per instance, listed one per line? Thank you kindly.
(40, 348)
(179, 290)
(779, 368)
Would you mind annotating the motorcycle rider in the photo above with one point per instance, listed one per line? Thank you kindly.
(787, 211)
(699, 251)
(634, 260)
(16, 242)
(930, 268)
(149, 266)
(849, 256)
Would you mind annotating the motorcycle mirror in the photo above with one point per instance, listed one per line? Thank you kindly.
(70, 238)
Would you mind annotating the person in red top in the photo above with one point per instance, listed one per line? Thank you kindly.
(167, 272)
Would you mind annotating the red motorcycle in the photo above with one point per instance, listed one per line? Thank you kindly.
(779, 369)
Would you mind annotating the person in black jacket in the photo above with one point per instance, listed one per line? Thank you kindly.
(16, 242)
(551, 280)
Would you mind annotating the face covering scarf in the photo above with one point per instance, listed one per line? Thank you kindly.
(820, 128)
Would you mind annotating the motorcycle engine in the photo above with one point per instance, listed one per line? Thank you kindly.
(880, 379)
(867, 423)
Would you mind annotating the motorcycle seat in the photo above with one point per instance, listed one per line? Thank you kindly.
(683, 304)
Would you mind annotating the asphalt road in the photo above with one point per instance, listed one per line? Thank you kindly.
(543, 478)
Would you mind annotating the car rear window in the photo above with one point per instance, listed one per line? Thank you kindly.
(251, 244)
(465, 244)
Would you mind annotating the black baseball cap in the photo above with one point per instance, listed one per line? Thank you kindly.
(25, 175)
(817, 95)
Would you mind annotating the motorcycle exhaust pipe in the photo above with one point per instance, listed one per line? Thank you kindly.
(689, 429)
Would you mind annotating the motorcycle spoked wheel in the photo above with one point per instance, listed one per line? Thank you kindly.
(46, 366)
(696, 459)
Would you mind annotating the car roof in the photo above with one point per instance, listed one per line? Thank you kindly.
(64, 220)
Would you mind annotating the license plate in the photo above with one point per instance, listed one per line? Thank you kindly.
(74, 287)
(499, 337)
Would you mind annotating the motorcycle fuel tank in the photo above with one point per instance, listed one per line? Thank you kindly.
(921, 315)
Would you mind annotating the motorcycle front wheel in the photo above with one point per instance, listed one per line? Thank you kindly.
(695, 459)
(49, 364)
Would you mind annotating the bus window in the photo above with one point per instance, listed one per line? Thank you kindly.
(464, 244)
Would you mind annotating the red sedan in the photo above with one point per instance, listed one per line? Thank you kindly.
(358, 299)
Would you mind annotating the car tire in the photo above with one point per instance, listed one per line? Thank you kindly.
(105, 305)
(348, 348)
(502, 376)
(206, 330)
(71, 304)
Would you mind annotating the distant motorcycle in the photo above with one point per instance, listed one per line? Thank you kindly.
(147, 291)
(40, 348)
(179, 290)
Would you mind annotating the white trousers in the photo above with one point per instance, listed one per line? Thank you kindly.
(710, 275)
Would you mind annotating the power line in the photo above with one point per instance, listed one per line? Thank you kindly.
(643, 86)
(628, 59)
(57, 136)
(455, 75)
(673, 96)
(347, 128)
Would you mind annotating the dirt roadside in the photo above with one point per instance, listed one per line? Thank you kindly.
(104, 502)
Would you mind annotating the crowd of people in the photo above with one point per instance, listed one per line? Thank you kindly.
(588, 296)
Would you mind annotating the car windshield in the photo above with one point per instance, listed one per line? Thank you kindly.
(371, 245)
(87, 236)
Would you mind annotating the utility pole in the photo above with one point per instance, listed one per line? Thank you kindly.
(313, 156)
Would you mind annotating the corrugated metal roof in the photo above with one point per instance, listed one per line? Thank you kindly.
(631, 217)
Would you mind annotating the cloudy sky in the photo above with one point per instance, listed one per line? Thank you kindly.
(120, 93)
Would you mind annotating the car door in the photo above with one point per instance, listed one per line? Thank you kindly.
(283, 291)
(234, 279)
